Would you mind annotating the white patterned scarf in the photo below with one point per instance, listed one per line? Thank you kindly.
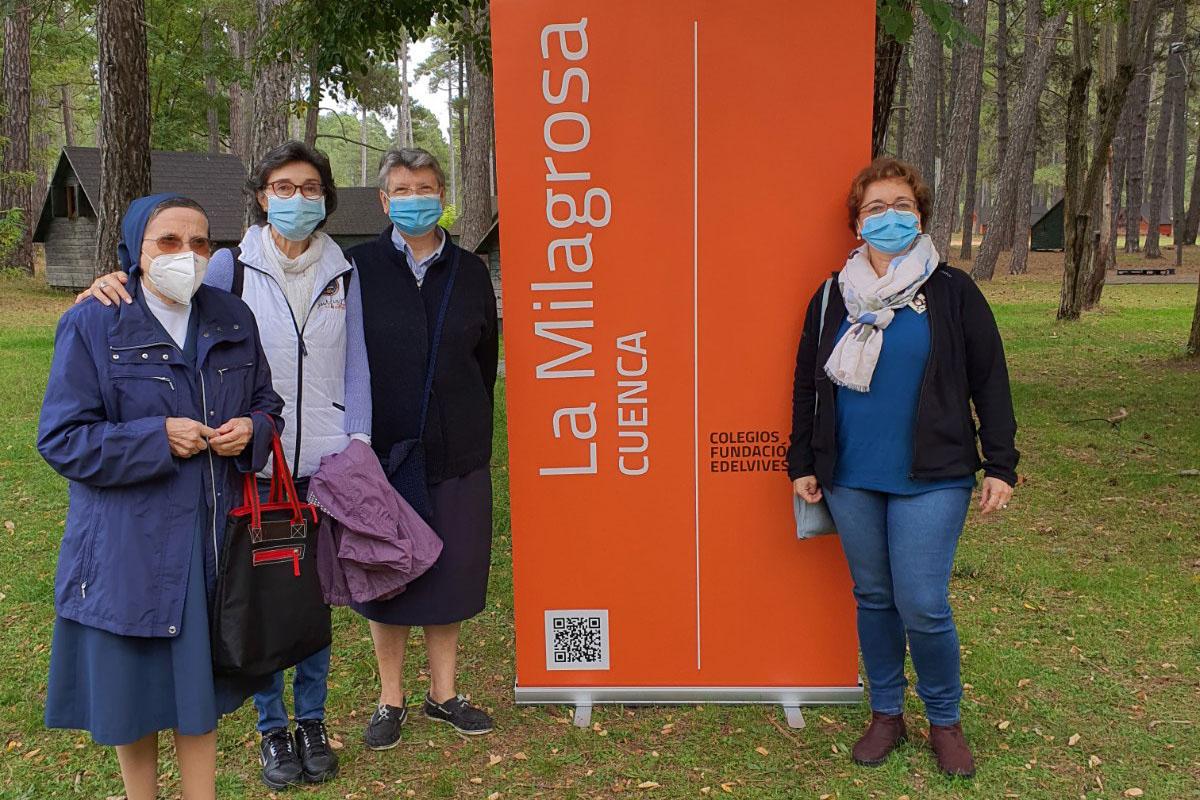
(871, 303)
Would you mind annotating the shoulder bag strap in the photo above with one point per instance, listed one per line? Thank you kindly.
(434, 345)
(821, 332)
(239, 272)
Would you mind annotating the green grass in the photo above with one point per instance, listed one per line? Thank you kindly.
(1077, 611)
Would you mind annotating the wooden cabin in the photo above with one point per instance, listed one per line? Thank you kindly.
(67, 224)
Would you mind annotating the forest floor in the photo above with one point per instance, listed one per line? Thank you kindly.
(1077, 610)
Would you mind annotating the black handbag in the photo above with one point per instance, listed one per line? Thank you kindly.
(404, 464)
(268, 612)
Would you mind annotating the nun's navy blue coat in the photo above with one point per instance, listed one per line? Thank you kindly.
(115, 378)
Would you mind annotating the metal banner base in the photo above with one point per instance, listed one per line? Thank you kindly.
(791, 698)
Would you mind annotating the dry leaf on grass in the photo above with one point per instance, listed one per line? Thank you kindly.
(647, 785)
(1074, 740)
(762, 751)
(520, 757)
(1133, 791)
(493, 760)
(1003, 724)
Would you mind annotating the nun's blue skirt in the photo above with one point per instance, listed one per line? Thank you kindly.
(122, 688)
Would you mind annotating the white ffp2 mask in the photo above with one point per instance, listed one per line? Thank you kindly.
(178, 275)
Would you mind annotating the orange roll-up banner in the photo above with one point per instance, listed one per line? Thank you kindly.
(672, 179)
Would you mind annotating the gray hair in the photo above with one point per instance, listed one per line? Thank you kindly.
(411, 158)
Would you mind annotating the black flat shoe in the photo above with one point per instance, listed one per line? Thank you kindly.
(467, 719)
(383, 731)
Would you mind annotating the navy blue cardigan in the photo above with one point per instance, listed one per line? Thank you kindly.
(398, 319)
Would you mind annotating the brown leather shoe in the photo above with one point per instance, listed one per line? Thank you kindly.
(883, 735)
(953, 753)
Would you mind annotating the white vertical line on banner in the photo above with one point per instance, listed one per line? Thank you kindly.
(696, 304)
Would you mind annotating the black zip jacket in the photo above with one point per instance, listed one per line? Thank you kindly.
(965, 367)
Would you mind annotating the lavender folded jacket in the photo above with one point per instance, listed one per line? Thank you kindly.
(371, 543)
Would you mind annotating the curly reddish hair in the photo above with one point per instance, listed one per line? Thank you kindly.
(882, 169)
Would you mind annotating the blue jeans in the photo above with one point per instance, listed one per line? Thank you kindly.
(310, 685)
(900, 549)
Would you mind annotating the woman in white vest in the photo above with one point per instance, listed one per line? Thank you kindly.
(309, 312)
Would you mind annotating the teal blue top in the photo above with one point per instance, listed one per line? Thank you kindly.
(875, 428)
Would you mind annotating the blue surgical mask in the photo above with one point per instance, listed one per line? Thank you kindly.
(416, 215)
(295, 217)
(892, 231)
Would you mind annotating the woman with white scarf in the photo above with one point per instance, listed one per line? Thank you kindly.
(887, 389)
(307, 304)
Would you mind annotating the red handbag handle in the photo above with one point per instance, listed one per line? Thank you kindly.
(283, 489)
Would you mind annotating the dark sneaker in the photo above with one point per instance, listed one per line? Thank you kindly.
(383, 731)
(466, 718)
(316, 756)
(281, 766)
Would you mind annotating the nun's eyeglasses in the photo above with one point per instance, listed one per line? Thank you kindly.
(170, 244)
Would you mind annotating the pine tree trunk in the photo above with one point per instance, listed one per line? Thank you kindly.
(1001, 82)
(464, 124)
(889, 55)
(68, 114)
(312, 111)
(403, 113)
(240, 103)
(1193, 345)
(15, 191)
(272, 88)
(1120, 159)
(1135, 162)
(455, 157)
(1173, 92)
(1179, 132)
(362, 141)
(971, 191)
(970, 85)
(1020, 133)
(1158, 178)
(1077, 249)
(39, 154)
(477, 197)
(901, 107)
(1192, 222)
(1082, 195)
(1104, 221)
(68, 117)
(124, 131)
(1021, 222)
(921, 136)
(210, 90)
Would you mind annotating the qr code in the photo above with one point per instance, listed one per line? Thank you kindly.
(577, 639)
